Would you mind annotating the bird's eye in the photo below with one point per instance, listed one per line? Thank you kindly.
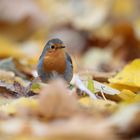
(52, 47)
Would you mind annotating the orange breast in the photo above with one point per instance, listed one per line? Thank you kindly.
(55, 61)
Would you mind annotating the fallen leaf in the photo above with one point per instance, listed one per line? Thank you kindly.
(125, 51)
(79, 84)
(55, 101)
(7, 76)
(136, 99)
(73, 129)
(91, 85)
(100, 105)
(129, 76)
(105, 88)
(122, 87)
(14, 89)
(9, 49)
(127, 95)
(19, 106)
(9, 65)
(98, 76)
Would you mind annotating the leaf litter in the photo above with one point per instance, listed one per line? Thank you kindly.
(92, 116)
(101, 104)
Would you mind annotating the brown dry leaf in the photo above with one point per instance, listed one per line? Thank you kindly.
(55, 101)
(12, 86)
(128, 47)
(14, 89)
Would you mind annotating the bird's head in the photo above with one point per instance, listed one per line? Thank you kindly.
(54, 45)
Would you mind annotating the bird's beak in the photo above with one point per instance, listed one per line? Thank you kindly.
(61, 47)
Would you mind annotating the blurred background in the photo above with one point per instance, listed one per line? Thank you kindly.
(103, 35)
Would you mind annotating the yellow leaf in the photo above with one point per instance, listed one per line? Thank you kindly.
(129, 76)
(26, 102)
(123, 8)
(98, 104)
(11, 107)
(9, 49)
(122, 87)
(86, 101)
(126, 95)
(137, 98)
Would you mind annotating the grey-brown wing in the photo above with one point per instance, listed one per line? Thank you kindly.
(69, 59)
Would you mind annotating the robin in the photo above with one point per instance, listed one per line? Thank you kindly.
(55, 62)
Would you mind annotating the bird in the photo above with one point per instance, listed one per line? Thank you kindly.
(55, 62)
